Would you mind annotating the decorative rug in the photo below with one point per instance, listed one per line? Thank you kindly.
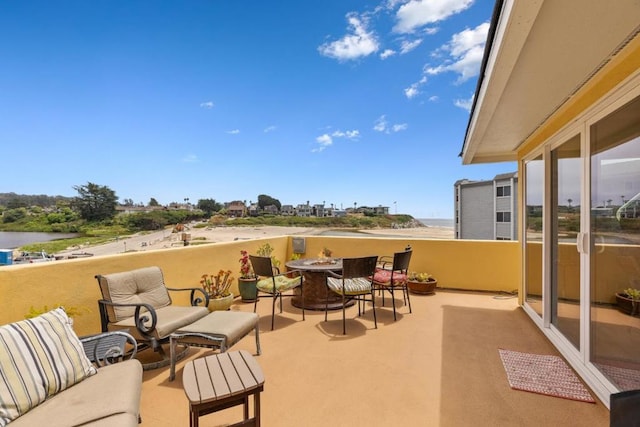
(623, 378)
(543, 374)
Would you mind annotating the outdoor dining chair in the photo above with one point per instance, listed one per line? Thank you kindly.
(391, 275)
(355, 283)
(275, 284)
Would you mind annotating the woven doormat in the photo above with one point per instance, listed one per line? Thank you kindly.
(543, 374)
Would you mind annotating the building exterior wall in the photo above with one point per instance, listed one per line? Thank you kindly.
(486, 209)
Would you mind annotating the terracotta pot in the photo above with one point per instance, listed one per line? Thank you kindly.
(220, 304)
(423, 288)
(627, 305)
(248, 289)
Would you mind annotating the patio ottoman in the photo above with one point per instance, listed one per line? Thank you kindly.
(219, 329)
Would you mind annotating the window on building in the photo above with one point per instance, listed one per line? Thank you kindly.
(503, 191)
(503, 216)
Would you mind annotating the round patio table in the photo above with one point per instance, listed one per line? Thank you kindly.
(315, 271)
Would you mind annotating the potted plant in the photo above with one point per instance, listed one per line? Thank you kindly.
(629, 301)
(217, 287)
(266, 250)
(421, 283)
(247, 280)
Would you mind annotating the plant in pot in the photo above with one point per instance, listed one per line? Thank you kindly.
(421, 283)
(247, 280)
(629, 301)
(217, 287)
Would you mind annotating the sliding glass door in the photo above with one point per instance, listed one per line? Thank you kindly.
(615, 244)
(565, 297)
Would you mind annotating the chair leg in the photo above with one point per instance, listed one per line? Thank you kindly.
(302, 295)
(406, 288)
(373, 303)
(344, 316)
(257, 329)
(393, 301)
(273, 310)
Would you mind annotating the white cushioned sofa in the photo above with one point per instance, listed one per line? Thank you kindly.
(47, 379)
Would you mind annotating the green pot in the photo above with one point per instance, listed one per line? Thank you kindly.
(248, 289)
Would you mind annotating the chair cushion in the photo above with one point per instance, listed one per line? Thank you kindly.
(355, 286)
(170, 319)
(230, 326)
(109, 398)
(383, 277)
(283, 284)
(39, 357)
(144, 285)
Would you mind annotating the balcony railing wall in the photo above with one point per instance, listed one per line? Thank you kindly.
(458, 264)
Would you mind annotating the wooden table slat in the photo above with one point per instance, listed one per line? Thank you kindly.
(233, 380)
(248, 381)
(252, 365)
(212, 373)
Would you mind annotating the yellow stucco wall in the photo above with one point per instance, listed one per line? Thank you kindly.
(461, 264)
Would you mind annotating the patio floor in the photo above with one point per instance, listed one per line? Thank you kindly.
(438, 366)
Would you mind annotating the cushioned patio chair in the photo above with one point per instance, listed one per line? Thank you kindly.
(275, 284)
(355, 283)
(391, 275)
(139, 301)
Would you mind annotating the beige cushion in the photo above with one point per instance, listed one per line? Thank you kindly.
(39, 357)
(144, 285)
(355, 286)
(230, 326)
(110, 398)
(170, 319)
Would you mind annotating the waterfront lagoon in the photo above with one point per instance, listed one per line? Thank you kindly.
(16, 239)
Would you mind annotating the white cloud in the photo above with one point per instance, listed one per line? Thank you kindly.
(434, 98)
(466, 50)
(382, 125)
(190, 158)
(414, 90)
(324, 141)
(387, 53)
(408, 46)
(270, 129)
(465, 104)
(208, 105)
(417, 13)
(350, 134)
(233, 132)
(359, 42)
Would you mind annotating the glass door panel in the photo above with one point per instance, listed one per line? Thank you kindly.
(534, 185)
(566, 166)
(615, 244)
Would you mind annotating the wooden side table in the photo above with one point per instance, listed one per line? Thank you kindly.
(222, 381)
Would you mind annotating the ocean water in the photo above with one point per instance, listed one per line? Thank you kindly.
(437, 222)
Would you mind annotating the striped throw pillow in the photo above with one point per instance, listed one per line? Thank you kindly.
(39, 357)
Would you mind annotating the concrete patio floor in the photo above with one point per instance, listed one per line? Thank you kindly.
(438, 366)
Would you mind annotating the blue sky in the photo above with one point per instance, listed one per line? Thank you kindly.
(334, 101)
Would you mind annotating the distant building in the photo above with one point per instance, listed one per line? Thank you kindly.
(287, 210)
(303, 210)
(236, 208)
(486, 210)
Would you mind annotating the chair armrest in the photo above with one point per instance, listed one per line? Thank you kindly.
(140, 318)
(109, 347)
(289, 272)
(384, 260)
(334, 274)
(194, 300)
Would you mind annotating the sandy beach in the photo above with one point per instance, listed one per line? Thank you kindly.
(166, 239)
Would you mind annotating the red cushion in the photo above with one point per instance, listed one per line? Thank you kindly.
(384, 277)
